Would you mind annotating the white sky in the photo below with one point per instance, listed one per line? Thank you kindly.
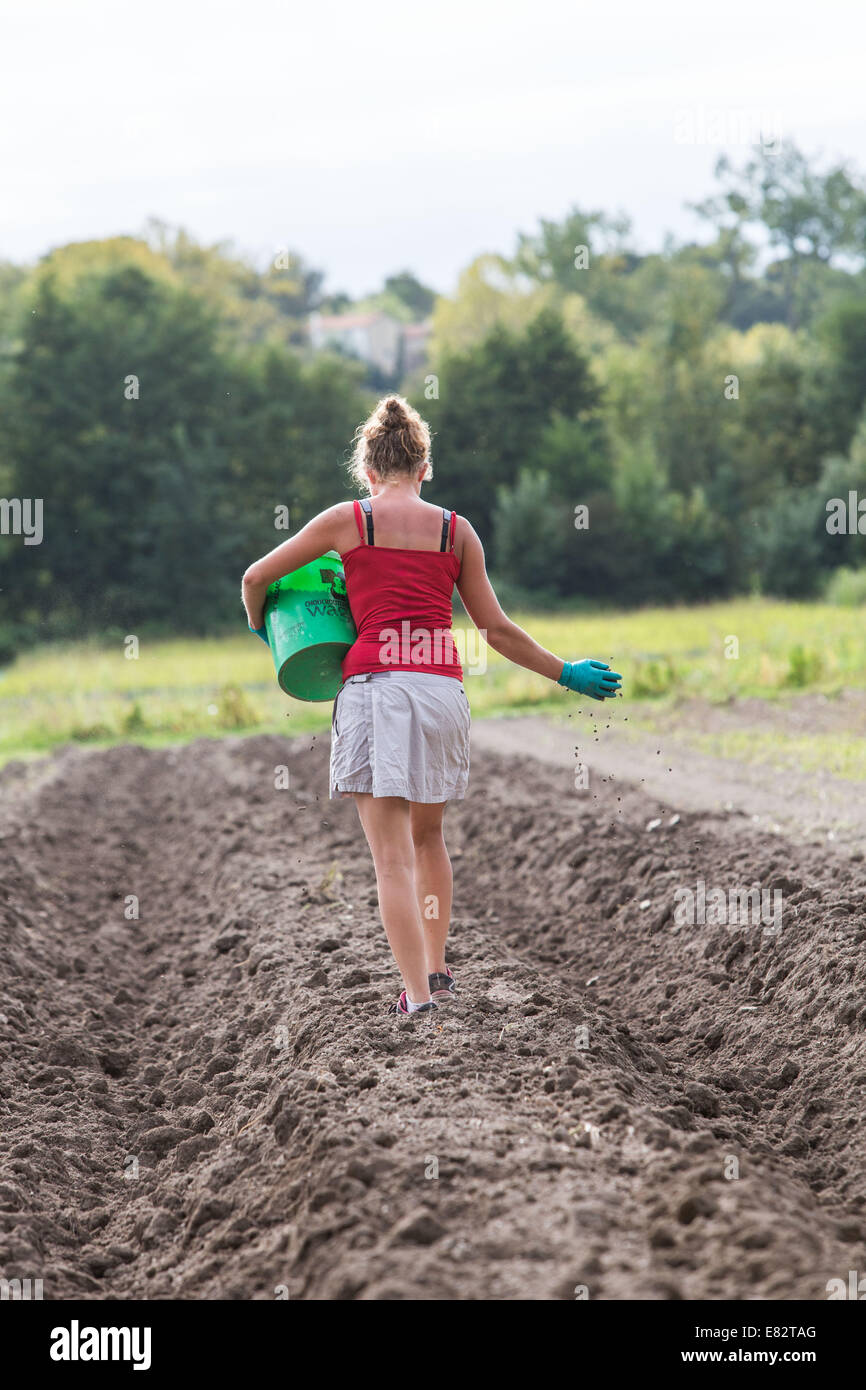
(373, 135)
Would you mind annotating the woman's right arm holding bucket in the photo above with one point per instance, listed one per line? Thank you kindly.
(313, 540)
(587, 677)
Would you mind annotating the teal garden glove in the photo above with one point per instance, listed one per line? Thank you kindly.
(260, 632)
(590, 677)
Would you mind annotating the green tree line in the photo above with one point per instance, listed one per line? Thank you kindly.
(620, 427)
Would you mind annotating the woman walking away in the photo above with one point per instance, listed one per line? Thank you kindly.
(400, 723)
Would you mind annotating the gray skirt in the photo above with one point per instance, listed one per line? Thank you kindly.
(401, 733)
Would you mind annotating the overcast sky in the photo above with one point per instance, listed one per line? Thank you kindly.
(386, 134)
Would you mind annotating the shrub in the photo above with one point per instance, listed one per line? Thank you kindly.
(10, 645)
(651, 678)
(804, 667)
(235, 710)
(847, 587)
(134, 722)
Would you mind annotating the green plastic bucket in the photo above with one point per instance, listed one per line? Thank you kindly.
(310, 628)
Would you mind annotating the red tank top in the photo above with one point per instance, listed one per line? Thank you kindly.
(401, 603)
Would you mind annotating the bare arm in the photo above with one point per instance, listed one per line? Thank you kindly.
(312, 540)
(495, 626)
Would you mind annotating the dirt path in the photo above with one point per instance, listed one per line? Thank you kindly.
(211, 1102)
(817, 807)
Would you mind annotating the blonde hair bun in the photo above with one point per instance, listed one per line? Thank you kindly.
(393, 441)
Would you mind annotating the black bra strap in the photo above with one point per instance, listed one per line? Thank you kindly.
(368, 508)
(446, 522)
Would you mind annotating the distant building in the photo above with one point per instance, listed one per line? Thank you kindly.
(416, 337)
(374, 337)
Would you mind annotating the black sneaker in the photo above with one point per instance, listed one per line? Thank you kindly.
(402, 1008)
(443, 986)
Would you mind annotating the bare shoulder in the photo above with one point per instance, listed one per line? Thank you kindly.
(466, 533)
(341, 514)
(340, 511)
(465, 525)
(467, 546)
(342, 525)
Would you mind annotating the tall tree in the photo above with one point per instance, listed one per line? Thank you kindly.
(496, 402)
(805, 214)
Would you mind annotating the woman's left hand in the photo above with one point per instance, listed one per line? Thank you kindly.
(590, 677)
(260, 632)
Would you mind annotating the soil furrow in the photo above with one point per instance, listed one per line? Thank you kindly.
(208, 1099)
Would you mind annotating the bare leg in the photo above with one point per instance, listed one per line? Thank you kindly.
(434, 881)
(386, 825)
